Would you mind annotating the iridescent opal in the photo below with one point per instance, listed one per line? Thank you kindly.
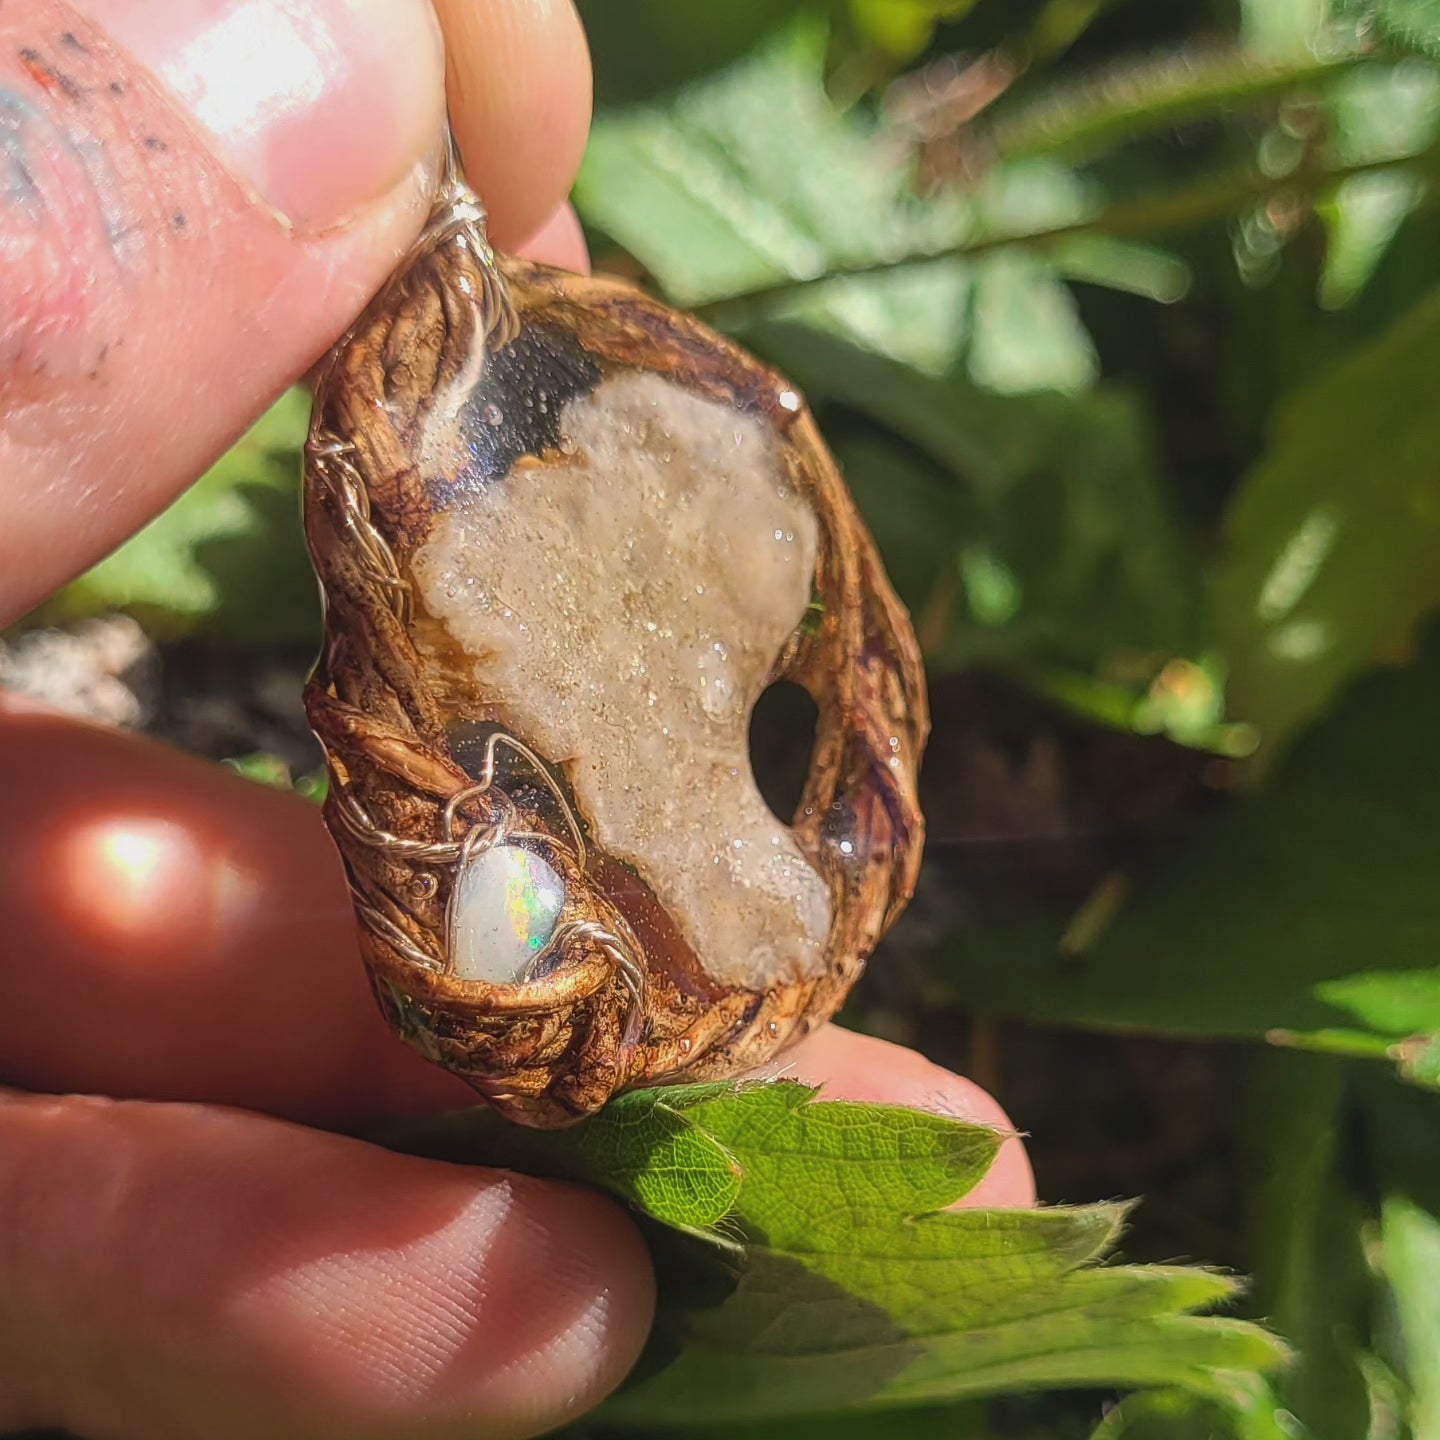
(506, 903)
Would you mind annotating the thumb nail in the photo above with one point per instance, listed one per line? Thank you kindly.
(320, 106)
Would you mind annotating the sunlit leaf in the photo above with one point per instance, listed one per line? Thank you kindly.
(270, 770)
(1408, 22)
(817, 1268)
(1082, 120)
(1179, 1415)
(1379, 111)
(1410, 1238)
(903, 28)
(754, 179)
(1347, 493)
(1283, 28)
(640, 1149)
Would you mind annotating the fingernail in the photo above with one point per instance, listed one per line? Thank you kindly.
(320, 106)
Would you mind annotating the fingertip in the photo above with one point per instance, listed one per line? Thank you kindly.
(559, 241)
(585, 1260)
(519, 1308)
(190, 1270)
(518, 80)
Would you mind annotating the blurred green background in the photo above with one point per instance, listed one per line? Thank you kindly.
(1122, 317)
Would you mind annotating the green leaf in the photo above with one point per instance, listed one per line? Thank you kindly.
(1282, 27)
(1409, 22)
(817, 1269)
(701, 191)
(266, 769)
(1178, 1415)
(965, 1421)
(1130, 101)
(1410, 1240)
(638, 1148)
(754, 179)
(683, 39)
(903, 28)
(1307, 1226)
(227, 558)
(1348, 492)
(811, 1178)
(1401, 1127)
(1376, 112)
(1306, 911)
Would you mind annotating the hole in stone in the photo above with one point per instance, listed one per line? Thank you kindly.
(782, 737)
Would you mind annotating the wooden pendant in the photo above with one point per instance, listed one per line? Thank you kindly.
(566, 537)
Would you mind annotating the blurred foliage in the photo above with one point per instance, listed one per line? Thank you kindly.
(1330, 543)
(1123, 322)
(227, 558)
(267, 769)
(1327, 926)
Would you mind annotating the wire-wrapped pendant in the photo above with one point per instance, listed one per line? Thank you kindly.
(566, 537)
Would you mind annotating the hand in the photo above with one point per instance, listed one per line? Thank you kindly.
(196, 197)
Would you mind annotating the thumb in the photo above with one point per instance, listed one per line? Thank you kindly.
(196, 198)
(172, 1271)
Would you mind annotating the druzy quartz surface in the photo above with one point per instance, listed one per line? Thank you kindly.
(621, 600)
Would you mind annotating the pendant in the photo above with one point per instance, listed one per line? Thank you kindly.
(566, 537)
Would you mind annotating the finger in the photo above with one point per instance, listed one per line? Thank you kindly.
(559, 241)
(175, 932)
(860, 1067)
(196, 197)
(181, 1271)
(173, 168)
(518, 81)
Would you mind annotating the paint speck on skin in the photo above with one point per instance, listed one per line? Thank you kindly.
(86, 161)
(62, 205)
(44, 142)
(47, 77)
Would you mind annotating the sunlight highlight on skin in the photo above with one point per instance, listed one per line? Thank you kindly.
(132, 883)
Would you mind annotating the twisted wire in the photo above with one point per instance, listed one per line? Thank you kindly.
(458, 215)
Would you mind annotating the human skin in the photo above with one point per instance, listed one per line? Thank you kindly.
(196, 197)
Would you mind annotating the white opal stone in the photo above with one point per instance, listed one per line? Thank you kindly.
(507, 901)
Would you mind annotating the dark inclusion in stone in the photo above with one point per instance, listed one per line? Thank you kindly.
(516, 408)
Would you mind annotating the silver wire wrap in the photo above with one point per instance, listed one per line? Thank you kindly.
(453, 853)
(458, 213)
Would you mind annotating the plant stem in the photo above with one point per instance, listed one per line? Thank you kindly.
(1126, 104)
(1182, 209)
